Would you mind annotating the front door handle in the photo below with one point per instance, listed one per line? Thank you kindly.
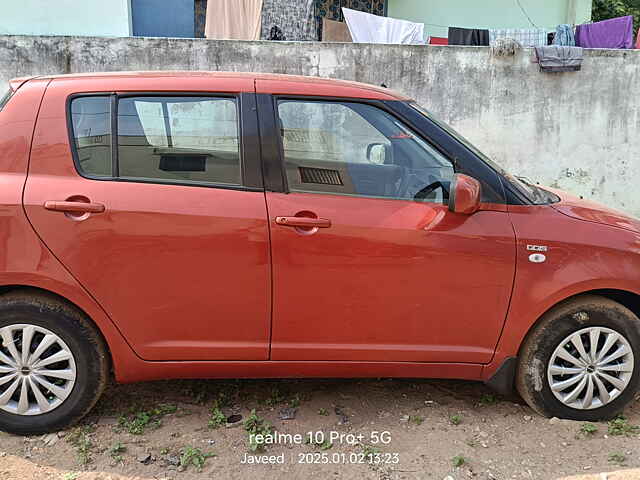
(74, 207)
(303, 222)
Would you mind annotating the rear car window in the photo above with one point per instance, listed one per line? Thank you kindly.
(192, 139)
(177, 139)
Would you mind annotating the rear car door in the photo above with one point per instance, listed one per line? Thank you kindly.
(154, 202)
(368, 262)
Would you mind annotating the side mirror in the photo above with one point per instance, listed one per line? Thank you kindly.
(379, 153)
(464, 196)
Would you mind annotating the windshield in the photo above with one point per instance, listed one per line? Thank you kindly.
(524, 187)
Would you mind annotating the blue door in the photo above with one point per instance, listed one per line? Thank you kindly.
(162, 18)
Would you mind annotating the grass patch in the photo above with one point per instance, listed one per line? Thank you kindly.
(255, 425)
(369, 450)
(137, 422)
(488, 399)
(588, 428)
(621, 426)
(455, 419)
(417, 419)
(115, 452)
(190, 456)
(617, 458)
(458, 461)
(216, 418)
(81, 440)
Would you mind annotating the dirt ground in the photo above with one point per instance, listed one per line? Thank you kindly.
(438, 429)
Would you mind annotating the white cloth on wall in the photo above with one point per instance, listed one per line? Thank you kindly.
(369, 28)
(233, 19)
(527, 37)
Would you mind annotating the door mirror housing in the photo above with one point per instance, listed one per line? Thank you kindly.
(464, 196)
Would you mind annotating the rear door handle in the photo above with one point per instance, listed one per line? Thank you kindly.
(303, 222)
(74, 207)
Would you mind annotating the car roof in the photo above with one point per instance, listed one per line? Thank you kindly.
(264, 82)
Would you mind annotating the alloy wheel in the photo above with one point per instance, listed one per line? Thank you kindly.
(590, 368)
(37, 370)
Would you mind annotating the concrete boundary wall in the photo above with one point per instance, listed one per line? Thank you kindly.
(577, 131)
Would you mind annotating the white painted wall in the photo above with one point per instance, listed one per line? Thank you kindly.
(578, 131)
(66, 17)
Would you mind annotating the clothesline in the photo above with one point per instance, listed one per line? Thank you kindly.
(615, 33)
(488, 28)
(368, 28)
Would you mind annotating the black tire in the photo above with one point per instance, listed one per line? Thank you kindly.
(556, 325)
(85, 343)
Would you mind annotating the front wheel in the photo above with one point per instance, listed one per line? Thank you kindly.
(53, 364)
(582, 361)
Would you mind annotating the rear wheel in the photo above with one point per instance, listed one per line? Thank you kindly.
(53, 364)
(582, 361)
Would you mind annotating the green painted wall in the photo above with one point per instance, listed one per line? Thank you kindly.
(489, 13)
(66, 17)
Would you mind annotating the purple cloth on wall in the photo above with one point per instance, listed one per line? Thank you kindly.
(613, 33)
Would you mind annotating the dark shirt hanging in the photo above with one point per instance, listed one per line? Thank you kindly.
(276, 33)
(550, 37)
(468, 36)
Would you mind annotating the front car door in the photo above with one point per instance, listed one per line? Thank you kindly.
(175, 248)
(368, 262)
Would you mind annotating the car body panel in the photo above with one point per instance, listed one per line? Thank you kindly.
(182, 270)
(385, 281)
(589, 211)
(582, 256)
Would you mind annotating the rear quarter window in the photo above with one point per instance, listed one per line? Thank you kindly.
(91, 124)
(5, 98)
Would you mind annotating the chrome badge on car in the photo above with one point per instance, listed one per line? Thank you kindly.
(537, 257)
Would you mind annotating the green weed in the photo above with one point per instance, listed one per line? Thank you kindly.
(190, 456)
(255, 425)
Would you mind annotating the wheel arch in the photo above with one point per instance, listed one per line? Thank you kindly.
(61, 300)
(625, 298)
(500, 373)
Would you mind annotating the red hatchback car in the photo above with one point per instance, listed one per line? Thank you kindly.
(217, 225)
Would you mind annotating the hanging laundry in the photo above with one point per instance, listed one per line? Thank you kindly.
(559, 58)
(527, 37)
(233, 20)
(368, 28)
(276, 34)
(613, 33)
(438, 41)
(295, 19)
(564, 36)
(468, 36)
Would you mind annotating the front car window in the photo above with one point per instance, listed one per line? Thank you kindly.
(350, 148)
(533, 193)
